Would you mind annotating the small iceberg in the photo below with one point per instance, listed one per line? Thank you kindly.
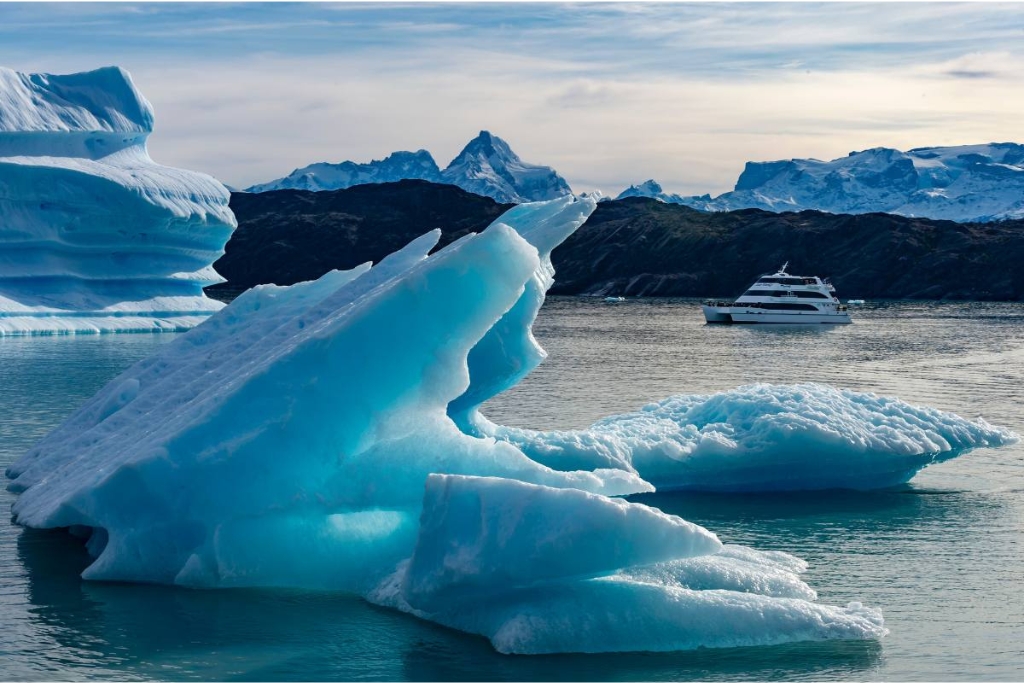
(764, 437)
(614, 299)
(855, 302)
(328, 435)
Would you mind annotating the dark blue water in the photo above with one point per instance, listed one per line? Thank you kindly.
(943, 558)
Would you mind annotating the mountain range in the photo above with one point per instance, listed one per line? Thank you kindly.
(966, 183)
(486, 166)
(632, 247)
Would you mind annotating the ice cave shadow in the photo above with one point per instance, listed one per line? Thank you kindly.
(780, 504)
(284, 634)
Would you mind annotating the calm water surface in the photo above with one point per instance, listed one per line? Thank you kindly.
(943, 558)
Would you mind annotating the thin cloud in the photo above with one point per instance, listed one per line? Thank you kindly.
(608, 94)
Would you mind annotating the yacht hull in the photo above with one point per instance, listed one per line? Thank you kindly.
(717, 314)
(745, 316)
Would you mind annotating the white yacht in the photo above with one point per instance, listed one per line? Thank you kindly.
(781, 298)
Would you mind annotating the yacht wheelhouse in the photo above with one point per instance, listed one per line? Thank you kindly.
(781, 298)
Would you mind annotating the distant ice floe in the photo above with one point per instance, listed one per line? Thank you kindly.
(94, 236)
(328, 435)
(764, 437)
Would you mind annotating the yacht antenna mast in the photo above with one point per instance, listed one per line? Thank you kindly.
(784, 266)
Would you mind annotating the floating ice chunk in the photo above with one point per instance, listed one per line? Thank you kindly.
(94, 236)
(765, 437)
(616, 615)
(531, 568)
(479, 533)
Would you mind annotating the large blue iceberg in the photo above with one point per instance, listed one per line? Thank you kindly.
(95, 236)
(328, 435)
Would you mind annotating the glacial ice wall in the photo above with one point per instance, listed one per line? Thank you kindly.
(302, 437)
(763, 437)
(95, 236)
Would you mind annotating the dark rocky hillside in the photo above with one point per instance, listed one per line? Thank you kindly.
(290, 236)
(632, 247)
(642, 247)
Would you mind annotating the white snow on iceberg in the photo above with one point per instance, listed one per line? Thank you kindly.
(95, 236)
(763, 437)
(310, 436)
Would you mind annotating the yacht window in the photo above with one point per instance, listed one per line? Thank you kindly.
(791, 293)
(772, 306)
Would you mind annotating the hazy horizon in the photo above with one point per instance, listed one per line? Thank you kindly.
(609, 95)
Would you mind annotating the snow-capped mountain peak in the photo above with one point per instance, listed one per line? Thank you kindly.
(963, 183)
(486, 166)
(648, 188)
(327, 176)
(489, 145)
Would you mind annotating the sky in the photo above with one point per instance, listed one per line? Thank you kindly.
(607, 94)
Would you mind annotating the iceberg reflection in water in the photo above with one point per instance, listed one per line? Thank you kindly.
(296, 440)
